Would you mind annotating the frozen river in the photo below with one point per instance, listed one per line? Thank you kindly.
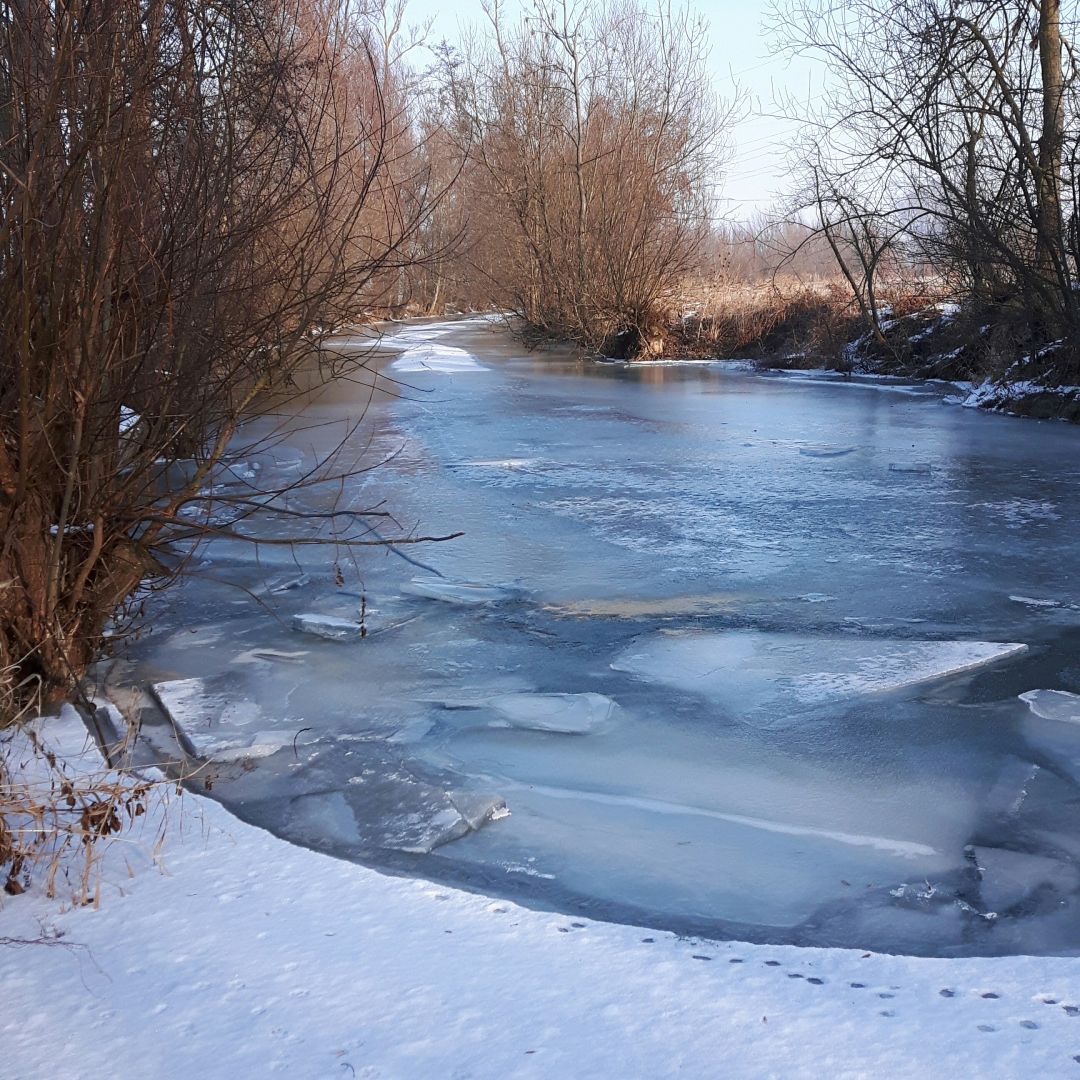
(729, 653)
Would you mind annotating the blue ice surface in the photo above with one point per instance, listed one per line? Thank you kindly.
(779, 585)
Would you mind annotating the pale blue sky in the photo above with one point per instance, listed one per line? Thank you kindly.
(756, 173)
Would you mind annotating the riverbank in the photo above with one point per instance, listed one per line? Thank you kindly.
(985, 352)
(227, 952)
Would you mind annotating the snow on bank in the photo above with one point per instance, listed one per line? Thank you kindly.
(1006, 396)
(248, 957)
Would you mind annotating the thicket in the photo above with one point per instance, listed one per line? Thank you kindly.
(190, 195)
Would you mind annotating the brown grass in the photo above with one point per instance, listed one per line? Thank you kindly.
(779, 320)
(56, 815)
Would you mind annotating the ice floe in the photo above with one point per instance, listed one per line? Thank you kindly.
(455, 592)
(329, 627)
(571, 714)
(760, 676)
(211, 723)
(1054, 705)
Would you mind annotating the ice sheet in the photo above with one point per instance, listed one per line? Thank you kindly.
(855, 729)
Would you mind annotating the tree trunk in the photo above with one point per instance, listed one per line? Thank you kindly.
(1049, 220)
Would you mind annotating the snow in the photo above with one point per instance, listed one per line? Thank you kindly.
(72, 530)
(230, 953)
(129, 418)
(1004, 393)
(421, 352)
(761, 677)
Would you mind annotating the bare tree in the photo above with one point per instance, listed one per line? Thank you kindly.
(593, 137)
(958, 119)
(189, 195)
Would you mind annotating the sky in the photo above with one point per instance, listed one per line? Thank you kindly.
(756, 173)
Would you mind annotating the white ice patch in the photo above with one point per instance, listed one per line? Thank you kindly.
(197, 637)
(445, 359)
(1054, 705)
(498, 463)
(760, 677)
(454, 592)
(1021, 513)
(571, 714)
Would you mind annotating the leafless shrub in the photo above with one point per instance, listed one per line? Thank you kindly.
(190, 196)
(593, 139)
(58, 815)
(946, 138)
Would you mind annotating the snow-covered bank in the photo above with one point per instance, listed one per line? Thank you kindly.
(246, 956)
(1026, 397)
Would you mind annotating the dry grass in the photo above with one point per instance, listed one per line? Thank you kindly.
(779, 320)
(57, 814)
